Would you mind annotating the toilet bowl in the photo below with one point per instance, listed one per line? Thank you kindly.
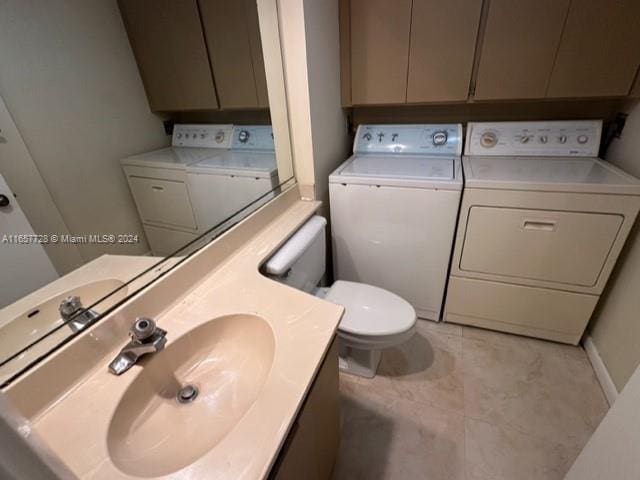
(374, 318)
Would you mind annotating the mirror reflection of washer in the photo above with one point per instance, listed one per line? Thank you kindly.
(542, 223)
(394, 205)
(222, 184)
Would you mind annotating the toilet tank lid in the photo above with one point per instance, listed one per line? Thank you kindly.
(293, 248)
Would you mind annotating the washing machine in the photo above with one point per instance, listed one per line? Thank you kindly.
(222, 184)
(394, 205)
(158, 183)
(542, 223)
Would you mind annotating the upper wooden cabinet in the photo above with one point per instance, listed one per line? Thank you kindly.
(441, 51)
(167, 40)
(600, 49)
(379, 50)
(193, 54)
(520, 41)
(233, 37)
(419, 51)
(409, 50)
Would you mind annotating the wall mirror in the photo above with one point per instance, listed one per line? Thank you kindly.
(132, 133)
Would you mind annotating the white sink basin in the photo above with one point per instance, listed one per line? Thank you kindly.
(227, 359)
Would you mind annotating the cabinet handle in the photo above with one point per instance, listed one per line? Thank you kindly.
(542, 225)
(157, 188)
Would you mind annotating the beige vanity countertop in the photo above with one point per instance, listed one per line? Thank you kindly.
(303, 326)
(36, 315)
(106, 267)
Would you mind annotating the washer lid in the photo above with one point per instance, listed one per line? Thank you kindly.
(247, 164)
(371, 310)
(176, 158)
(400, 170)
(551, 174)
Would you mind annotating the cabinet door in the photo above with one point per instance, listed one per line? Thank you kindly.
(600, 49)
(379, 51)
(167, 40)
(443, 42)
(226, 27)
(521, 38)
(256, 53)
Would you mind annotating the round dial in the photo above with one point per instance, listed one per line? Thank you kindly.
(543, 139)
(488, 139)
(439, 138)
(582, 139)
(219, 138)
(243, 136)
(524, 139)
(562, 139)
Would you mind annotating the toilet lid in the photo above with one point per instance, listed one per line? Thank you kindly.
(371, 310)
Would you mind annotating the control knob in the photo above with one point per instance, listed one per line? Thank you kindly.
(562, 139)
(367, 136)
(243, 136)
(439, 138)
(488, 139)
(219, 138)
(582, 139)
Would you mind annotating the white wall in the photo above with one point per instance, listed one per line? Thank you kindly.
(615, 327)
(70, 81)
(329, 129)
(612, 450)
(310, 44)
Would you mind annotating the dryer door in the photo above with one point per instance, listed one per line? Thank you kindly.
(554, 246)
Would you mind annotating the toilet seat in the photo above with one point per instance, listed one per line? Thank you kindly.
(372, 314)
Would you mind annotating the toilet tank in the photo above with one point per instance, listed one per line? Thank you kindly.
(300, 262)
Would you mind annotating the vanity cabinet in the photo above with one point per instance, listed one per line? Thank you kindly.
(168, 43)
(518, 48)
(310, 450)
(197, 54)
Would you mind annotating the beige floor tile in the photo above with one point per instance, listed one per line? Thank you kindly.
(441, 327)
(501, 453)
(385, 438)
(426, 369)
(540, 388)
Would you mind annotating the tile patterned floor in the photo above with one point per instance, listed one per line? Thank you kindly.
(458, 403)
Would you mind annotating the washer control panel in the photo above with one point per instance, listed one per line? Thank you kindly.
(253, 137)
(580, 138)
(201, 135)
(409, 139)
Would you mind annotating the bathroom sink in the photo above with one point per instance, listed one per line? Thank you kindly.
(189, 396)
(32, 324)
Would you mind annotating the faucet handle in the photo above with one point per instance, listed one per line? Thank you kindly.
(69, 306)
(142, 329)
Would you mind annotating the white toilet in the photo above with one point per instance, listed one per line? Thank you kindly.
(374, 318)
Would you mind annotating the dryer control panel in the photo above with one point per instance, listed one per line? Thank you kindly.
(437, 139)
(580, 138)
(201, 135)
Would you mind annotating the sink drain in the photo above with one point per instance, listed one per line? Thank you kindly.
(187, 394)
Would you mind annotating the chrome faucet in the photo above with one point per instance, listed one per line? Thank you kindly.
(75, 315)
(146, 338)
